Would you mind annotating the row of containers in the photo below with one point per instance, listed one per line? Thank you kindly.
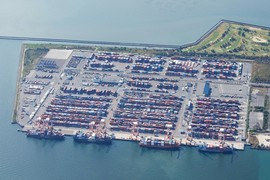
(175, 67)
(220, 69)
(107, 60)
(33, 89)
(108, 57)
(113, 57)
(148, 90)
(42, 83)
(147, 67)
(75, 60)
(47, 64)
(88, 91)
(37, 76)
(158, 79)
(214, 116)
(182, 68)
(141, 82)
(146, 112)
(129, 58)
(147, 84)
(148, 64)
(76, 111)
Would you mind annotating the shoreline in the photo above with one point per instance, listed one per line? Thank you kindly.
(19, 76)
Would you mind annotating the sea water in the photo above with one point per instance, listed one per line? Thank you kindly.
(146, 21)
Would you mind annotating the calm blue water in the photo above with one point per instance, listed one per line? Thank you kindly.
(149, 21)
(146, 21)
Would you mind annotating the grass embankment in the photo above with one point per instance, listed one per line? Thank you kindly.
(135, 50)
(234, 40)
(57, 46)
(31, 58)
(266, 112)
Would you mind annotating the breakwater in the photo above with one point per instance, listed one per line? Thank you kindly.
(89, 42)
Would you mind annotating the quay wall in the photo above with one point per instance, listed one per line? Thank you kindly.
(122, 136)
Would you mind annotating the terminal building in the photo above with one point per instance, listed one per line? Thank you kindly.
(207, 89)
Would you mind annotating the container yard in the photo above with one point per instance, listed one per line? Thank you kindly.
(221, 69)
(214, 116)
(182, 67)
(135, 95)
(146, 113)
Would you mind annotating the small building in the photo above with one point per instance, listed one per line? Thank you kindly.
(255, 120)
(189, 105)
(110, 81)
(207, 89)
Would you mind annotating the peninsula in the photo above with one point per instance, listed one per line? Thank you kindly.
(198, 93)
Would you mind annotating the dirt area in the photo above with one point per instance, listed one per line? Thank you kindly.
(260, 141)
(264, 141)
(259, 90)
(255, 29)
(260, 72)
(253, 140)
(259, 39)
